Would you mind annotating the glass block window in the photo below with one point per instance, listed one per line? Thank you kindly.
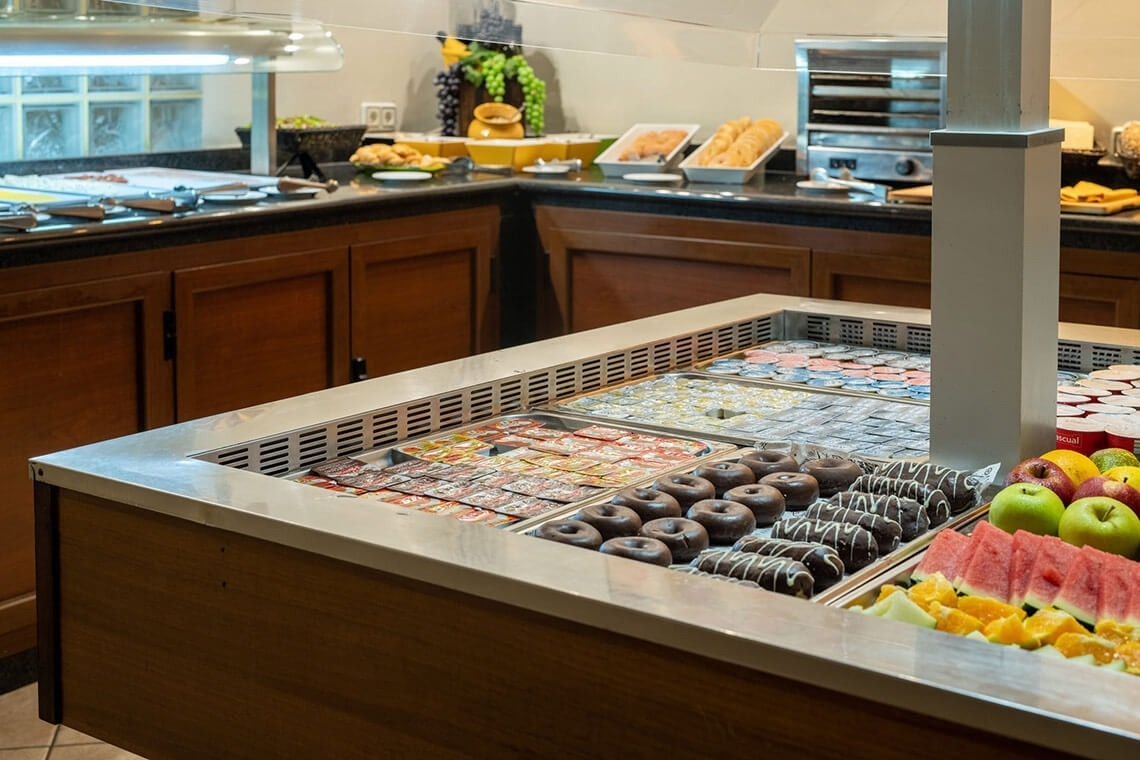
(54, 116)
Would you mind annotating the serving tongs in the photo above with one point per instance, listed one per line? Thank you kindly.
(819, 174)
(464, 165)
(18, 218)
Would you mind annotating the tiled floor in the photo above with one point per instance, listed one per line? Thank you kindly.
(23, 736)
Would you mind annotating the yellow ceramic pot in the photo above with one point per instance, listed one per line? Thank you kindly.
(496, 121)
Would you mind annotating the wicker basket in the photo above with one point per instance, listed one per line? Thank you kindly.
(323, 144)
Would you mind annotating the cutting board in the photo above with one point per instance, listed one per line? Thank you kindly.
(920, 194)
(1101, 209)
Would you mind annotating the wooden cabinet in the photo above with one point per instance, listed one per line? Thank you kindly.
(82, 362)
(249, 332)
(871, 268)
(1100, 287)
(424, 291)
(108, 346)
(609, 267)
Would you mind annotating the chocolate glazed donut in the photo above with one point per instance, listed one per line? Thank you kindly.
(765, 501)
(573, 532)
(639, 548)
(611, 520)
(648, 503)
(766, 461)
(685, 538)
(686, 489)
(725, 521)
(799, 490)
(725, 475)
(834, 474)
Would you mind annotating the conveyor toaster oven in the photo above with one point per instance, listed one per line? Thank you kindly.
(868, 106)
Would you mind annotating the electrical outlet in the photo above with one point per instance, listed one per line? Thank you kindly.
(379, 116)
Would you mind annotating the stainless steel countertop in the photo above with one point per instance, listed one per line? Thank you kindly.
(1077, 709)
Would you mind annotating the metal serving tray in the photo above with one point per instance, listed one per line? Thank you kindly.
(734, 389)
(895, 564)
(406, 451)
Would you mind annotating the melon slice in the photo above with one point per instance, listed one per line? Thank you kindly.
(1133, 614)
(1080, 591)
(1050, 566)
(1115, 588)
(987, 572)
(944, 556)
(1025, 545)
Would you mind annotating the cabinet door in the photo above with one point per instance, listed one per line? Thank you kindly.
(255, 331)
(872, 278)
(610, 267)
(1100, 288)
(81, 363)
(426, 292)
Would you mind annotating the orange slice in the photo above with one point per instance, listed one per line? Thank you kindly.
(935, 588)
(987, 610)
(1047, 624)
(1077, 644)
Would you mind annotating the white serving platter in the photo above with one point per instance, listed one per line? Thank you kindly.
(737, 175)
(610, 160)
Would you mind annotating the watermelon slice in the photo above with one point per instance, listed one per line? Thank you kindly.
(944, 555)
(1133, 614)
(1025, 545)
(1050, 566)
(1080, 591)
(987, 573)
(1115, 587)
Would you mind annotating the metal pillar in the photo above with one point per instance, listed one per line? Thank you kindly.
(263, 126)
(996, 237)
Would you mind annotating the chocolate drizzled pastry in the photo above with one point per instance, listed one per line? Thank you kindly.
(854, 544)
(823, 561)
(936, 503)
(779, 574)
(886, 531)
(908, 513)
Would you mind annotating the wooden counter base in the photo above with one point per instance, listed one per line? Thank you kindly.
(177, 640)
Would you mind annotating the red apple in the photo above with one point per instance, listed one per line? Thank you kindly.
(1045, 473)
(1113, 489)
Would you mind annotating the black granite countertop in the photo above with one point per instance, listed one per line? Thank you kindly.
(772, 198)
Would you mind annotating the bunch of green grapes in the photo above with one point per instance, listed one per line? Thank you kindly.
(534, 94)
(494, 76)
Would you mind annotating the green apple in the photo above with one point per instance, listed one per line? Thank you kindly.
(1106, 459)
(1102, 523)
(1027, 506)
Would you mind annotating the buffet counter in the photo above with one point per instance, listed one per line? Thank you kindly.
(773, 198)
(191, 604)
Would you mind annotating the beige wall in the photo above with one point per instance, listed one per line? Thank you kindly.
(606, 92)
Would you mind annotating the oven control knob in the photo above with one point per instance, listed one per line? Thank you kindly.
(906, 167)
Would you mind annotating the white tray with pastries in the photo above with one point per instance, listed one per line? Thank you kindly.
(646, 148)
(735, 152)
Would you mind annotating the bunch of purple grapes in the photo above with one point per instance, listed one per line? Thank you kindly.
(447, 98)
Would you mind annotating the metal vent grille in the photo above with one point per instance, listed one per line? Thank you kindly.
(290, 452)
(851, 331)
(918, 339)
(818, 328)
(1069, 356)
(884, 335)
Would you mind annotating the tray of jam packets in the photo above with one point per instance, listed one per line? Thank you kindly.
(743, 410)
(509, 470)
(854, 369)
(794, 519)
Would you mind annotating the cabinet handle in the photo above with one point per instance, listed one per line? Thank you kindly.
(169, 336)
(358, 369)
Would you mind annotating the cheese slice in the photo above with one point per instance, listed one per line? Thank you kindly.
(1091, 192)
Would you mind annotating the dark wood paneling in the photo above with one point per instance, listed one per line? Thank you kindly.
(423, 292)
(1100, 288)
(81, 363)
(869, 278)
(606, 267)
(262, 330)
(184, 641)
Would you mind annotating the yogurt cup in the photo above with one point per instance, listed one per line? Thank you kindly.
(1080, 434)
